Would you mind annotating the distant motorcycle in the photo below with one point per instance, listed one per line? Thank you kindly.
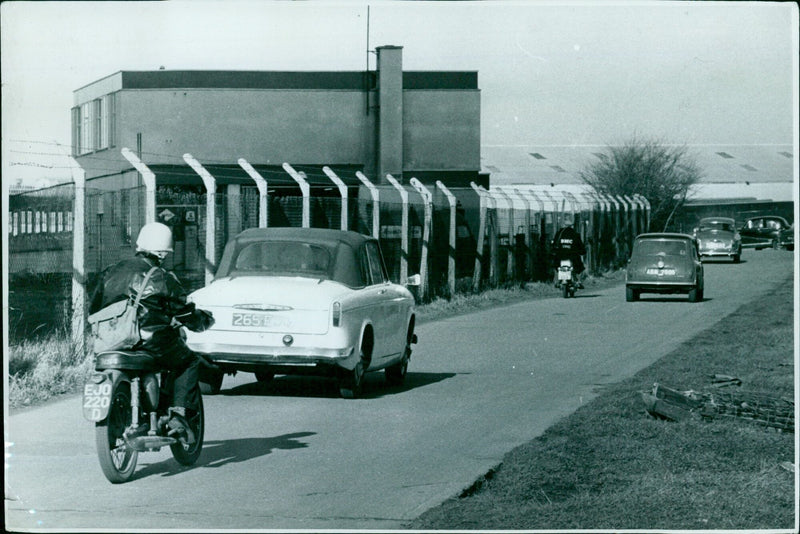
(128, 404)
(566, 278)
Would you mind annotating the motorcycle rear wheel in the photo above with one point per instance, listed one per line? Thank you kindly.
(116, 460)
(188, 454)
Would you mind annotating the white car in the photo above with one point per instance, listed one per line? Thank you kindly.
(305, 301)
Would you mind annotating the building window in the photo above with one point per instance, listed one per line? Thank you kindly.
(94, 125)
(86, 129)
(110, 119)
(76, 131)
(97, 119)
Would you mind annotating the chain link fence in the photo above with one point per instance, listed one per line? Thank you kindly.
(514, 247)
(40, 261)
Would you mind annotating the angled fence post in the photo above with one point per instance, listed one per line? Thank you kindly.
(556, 211)
(541, 230)
(493, 246)
(261, 184)
(634, 215)
(211, 214)
(476, 275)
(527, 234)
(404, 228)
(511, 267)
(646, 204)
(427, 199)
(376, 204)
(79, 301)
(342, 192)
(149, 179)
(451, 255)
(305, 189)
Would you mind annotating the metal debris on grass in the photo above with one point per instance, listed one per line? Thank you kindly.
(757, 408)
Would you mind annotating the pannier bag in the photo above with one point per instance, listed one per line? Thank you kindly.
(117, 325)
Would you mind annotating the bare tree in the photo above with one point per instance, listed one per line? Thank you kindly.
(660, 172)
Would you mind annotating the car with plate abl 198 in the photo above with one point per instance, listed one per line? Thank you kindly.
(664, 263)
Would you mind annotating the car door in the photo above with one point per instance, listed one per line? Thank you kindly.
(378, 295)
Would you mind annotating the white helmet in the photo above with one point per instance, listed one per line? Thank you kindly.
(155, 238)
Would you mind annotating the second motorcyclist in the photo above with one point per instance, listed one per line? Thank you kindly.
(567, 245)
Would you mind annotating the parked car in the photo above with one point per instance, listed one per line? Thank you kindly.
(767, 231)
(664, 263)
(717, 236)
(305, 301)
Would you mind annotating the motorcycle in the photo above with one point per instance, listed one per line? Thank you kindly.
(566, 278)
(128, 397)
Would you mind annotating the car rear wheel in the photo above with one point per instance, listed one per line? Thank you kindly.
(695, 294)
(264, 376)
(351, 382)
(631, 295)
(210, 381)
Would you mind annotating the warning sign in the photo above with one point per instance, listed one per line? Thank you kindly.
(166, 215)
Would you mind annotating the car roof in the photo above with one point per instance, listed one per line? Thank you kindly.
(316, 235)
(665, 235)
(778, 217)
(717, 219)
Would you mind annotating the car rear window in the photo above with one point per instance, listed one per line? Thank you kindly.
(283, 257)
(727, 227)
(653, 247)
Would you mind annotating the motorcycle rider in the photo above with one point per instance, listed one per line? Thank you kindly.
(567, 245)
(164, 308)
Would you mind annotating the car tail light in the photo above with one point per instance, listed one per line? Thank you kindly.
(337, 313)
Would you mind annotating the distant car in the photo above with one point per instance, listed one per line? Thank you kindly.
(664, 263)
(767, 231)
(305, 301)
(717, 237)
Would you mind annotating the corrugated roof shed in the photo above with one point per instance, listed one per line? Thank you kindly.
(552, 164)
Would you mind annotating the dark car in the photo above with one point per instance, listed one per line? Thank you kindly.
(767, 231)
(664, 263)
(717, 237)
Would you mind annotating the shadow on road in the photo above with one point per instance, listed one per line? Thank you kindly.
(375, 386)
(222, 452)
(672, 299)
(722, 261)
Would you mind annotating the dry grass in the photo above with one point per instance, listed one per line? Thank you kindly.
(43, 369)
(612, 466)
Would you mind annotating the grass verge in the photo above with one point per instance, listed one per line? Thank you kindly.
(610, 465)
(39, 370)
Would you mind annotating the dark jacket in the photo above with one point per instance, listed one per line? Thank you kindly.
(162, 299)
(567, 244)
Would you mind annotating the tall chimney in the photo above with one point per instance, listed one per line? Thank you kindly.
(390, 112)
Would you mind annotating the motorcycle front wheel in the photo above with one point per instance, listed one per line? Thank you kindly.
(116, 460)
(187, 454)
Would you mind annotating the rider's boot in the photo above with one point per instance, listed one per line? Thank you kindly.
(179, 425)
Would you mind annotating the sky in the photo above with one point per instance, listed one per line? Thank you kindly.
(549, 73)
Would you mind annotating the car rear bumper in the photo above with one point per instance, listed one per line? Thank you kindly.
(661, 287)
(275, 356)
(720, 253)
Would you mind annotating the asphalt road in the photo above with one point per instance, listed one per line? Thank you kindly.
(292, 455)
